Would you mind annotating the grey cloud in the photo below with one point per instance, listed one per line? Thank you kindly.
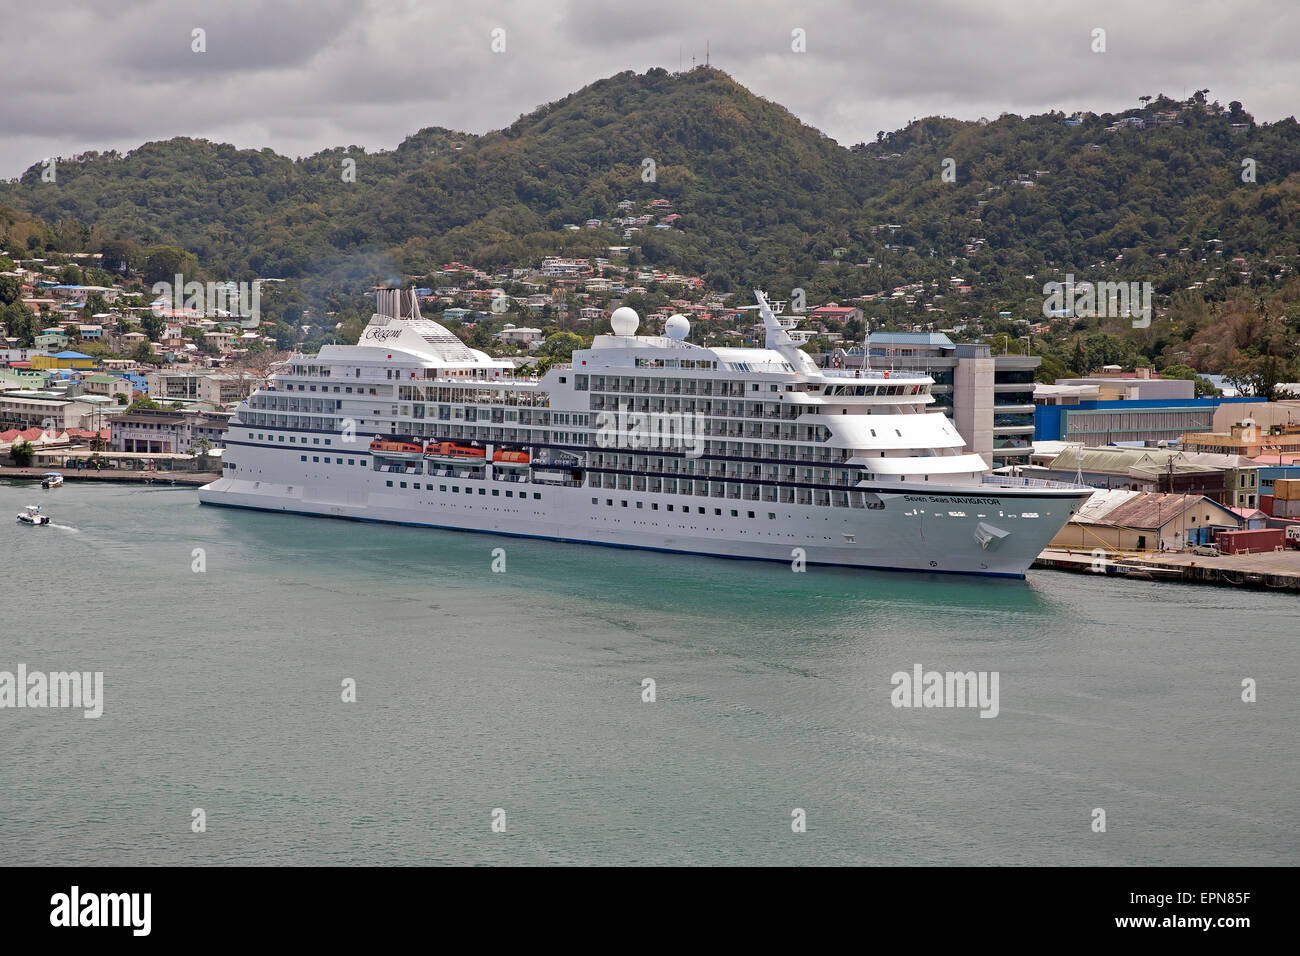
(301, 76)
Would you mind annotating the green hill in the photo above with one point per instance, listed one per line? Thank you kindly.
(1155, 193)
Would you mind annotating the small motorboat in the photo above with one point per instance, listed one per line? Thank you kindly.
(51, 479)
(32, 514)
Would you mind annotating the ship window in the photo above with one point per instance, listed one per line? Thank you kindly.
(654, 506)
(640, 504)
(315, 441)
(717, 511)
(735, 513)
(327, 441)
(771, 516)
(315, 457)
(624, 504)
(442, 487)
(291, 438)
(352, 461)
(701, 511)
(389, 484)
(750, 513)
(454, 488)
(302, 457)
(481, 491)
(327, 459)
(609, 502)
(509, 494)
(403, 484)
(594, 501)
(416, 486)
(670, 507)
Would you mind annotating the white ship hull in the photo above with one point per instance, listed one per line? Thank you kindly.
(930, 530)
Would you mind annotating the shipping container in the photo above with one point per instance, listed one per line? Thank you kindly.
(1286, 509)
(1266, 504)
(1250, 542)
(1287, 489)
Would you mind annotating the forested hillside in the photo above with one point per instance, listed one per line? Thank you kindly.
(1168, 192)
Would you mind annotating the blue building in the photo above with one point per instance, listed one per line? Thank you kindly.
(1097, 423)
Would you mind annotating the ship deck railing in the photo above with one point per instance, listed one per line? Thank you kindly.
(1009, 481)
(873, 373)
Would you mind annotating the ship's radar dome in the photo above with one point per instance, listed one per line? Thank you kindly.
(624, 321)
(677, 327)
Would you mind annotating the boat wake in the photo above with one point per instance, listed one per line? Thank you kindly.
(64, 527)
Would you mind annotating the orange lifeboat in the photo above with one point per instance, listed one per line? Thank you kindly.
(396, 449)
(510, 459)
(455, 454)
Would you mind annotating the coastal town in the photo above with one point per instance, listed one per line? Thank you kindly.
(119, 384)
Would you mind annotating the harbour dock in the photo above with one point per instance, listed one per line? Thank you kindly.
(1267, 571)
(144, 477)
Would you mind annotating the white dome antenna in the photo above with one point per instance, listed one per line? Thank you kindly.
(624, 321)
(677, 327)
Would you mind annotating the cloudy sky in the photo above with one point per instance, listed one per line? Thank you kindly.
(302, 75)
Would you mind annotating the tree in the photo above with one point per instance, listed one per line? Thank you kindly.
(1260, 376)
(200, 450)
(21, 322)
(1050, 370)
(145, 403)
(1203, 387)
(143, 354)
(11, 289)
(120, 255)
(22, 453)
(285, 335)
(561, 345)
(164, 263)
(1080, 360)
(96, 304)
(152, 325)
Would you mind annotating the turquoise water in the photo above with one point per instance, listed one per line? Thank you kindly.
(523, 691)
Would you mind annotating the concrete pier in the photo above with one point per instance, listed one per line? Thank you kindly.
(1268, 571)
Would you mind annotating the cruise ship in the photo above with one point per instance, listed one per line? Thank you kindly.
(641, 441)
